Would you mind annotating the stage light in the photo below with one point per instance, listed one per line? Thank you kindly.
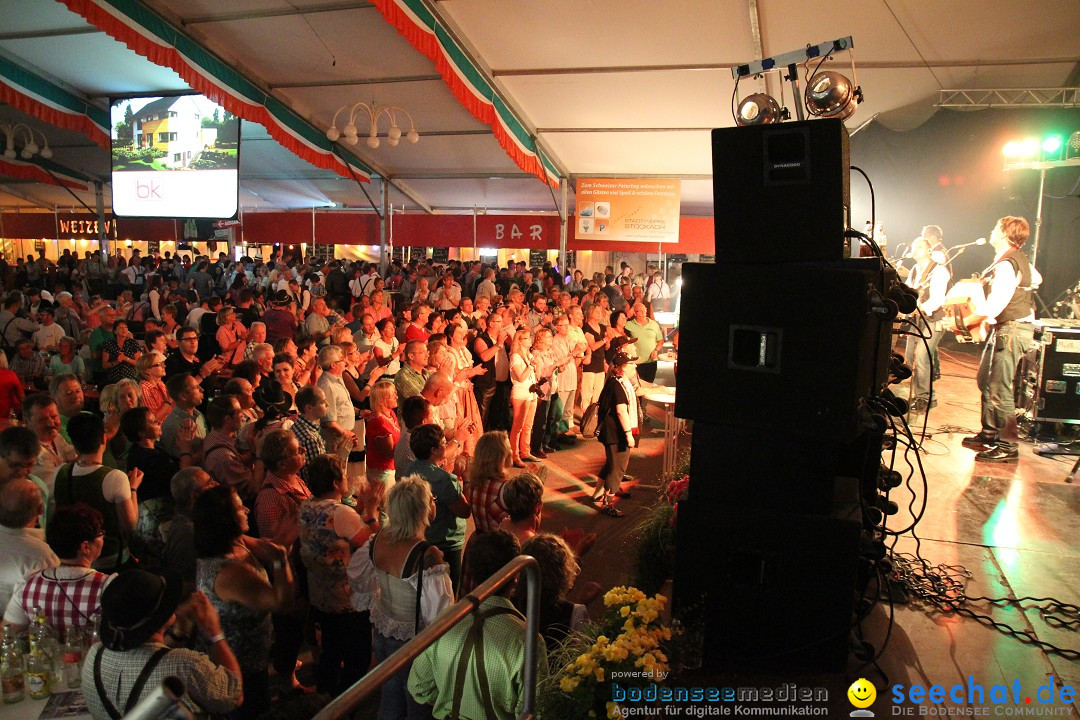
(759, 109)
(829, 94)
(1011, 149)
(1072, 150)
(1051, 144)
(1029, 147)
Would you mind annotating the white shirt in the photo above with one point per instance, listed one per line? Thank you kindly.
(22, 551)
(340, 404)
(47, 337)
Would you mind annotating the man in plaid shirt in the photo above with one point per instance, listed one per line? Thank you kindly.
(311, 402)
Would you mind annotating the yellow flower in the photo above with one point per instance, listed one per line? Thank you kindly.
(599, 673)
(568, 684)
(625, 610)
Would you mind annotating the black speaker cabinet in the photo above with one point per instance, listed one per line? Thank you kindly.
(773, 590)
(1051, 392)
(782, 349)
(781, 471)
(781, 192)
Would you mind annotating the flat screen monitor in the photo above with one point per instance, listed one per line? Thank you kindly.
(174, 156)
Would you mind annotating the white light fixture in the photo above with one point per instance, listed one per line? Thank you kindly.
(349, 135)
(30, 146)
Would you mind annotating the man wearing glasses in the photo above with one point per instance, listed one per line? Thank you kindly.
(339, 424)
(185, 358)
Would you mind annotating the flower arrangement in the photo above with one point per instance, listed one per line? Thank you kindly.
(655, 553)
(630, 644)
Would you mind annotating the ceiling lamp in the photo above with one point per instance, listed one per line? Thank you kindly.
(30, 146)
(349, 135)
(830, 94)
(759, 109)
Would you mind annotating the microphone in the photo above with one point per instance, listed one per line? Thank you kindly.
(980, 241)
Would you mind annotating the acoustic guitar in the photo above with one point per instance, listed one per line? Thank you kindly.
(959, 307)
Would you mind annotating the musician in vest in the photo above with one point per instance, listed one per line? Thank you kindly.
(931, 279)
(1011, 311)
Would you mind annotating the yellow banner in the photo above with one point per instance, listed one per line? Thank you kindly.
(628, 209)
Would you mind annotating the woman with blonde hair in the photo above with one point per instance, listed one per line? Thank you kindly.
(402, 579)
(116, 400)
(487, 474)
(151, 369)
(231, 336)
(383, 432)
(522, 397)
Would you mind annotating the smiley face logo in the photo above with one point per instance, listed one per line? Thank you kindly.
(862, 693)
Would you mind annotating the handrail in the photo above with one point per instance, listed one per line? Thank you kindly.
(450, 617)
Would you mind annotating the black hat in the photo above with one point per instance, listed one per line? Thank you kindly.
(280, 298)
(136, 604)
(620, 358)
(270, 396)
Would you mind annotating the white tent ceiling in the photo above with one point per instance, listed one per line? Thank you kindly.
(608, 87)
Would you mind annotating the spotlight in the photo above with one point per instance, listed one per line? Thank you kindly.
(1072, 149)
(1051, 144)
(1029, 147)
(829, 94)
(1011, 149)
(759, 109)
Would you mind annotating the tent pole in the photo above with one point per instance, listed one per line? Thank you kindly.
(384, 262)
(103, 237)
(564, 214)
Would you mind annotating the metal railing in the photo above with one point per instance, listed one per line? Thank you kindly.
(450, 617)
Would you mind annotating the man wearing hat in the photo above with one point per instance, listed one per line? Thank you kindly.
(279, 318)
(132, 660)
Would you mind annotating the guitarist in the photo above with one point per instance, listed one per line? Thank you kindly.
(931, 279)
(1011, 311)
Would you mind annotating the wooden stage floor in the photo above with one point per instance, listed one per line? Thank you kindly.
(1011, 530)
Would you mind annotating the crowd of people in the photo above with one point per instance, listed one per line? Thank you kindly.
(227, 460)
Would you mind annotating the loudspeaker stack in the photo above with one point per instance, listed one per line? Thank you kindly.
(784, 342)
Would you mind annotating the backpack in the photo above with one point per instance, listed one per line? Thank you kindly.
(590, 420)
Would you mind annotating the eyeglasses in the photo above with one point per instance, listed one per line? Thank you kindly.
(157, 364)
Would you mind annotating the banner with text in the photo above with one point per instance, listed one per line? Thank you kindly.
(636, 210)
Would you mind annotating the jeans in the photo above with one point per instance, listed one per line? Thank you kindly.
(452, 556)
(539, 428)
(395, 702)
(1004, 348)
(568, 397)
(346, 649)
(923, 365)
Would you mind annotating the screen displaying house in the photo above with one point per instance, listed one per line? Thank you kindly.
(174, 156)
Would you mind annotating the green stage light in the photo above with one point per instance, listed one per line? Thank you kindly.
(1051, 144)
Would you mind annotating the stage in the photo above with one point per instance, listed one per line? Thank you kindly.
(1006, 530)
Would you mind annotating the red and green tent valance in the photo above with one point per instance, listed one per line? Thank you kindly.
(416, 24)
(151, 36)
(36, 96)
(43, 171)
